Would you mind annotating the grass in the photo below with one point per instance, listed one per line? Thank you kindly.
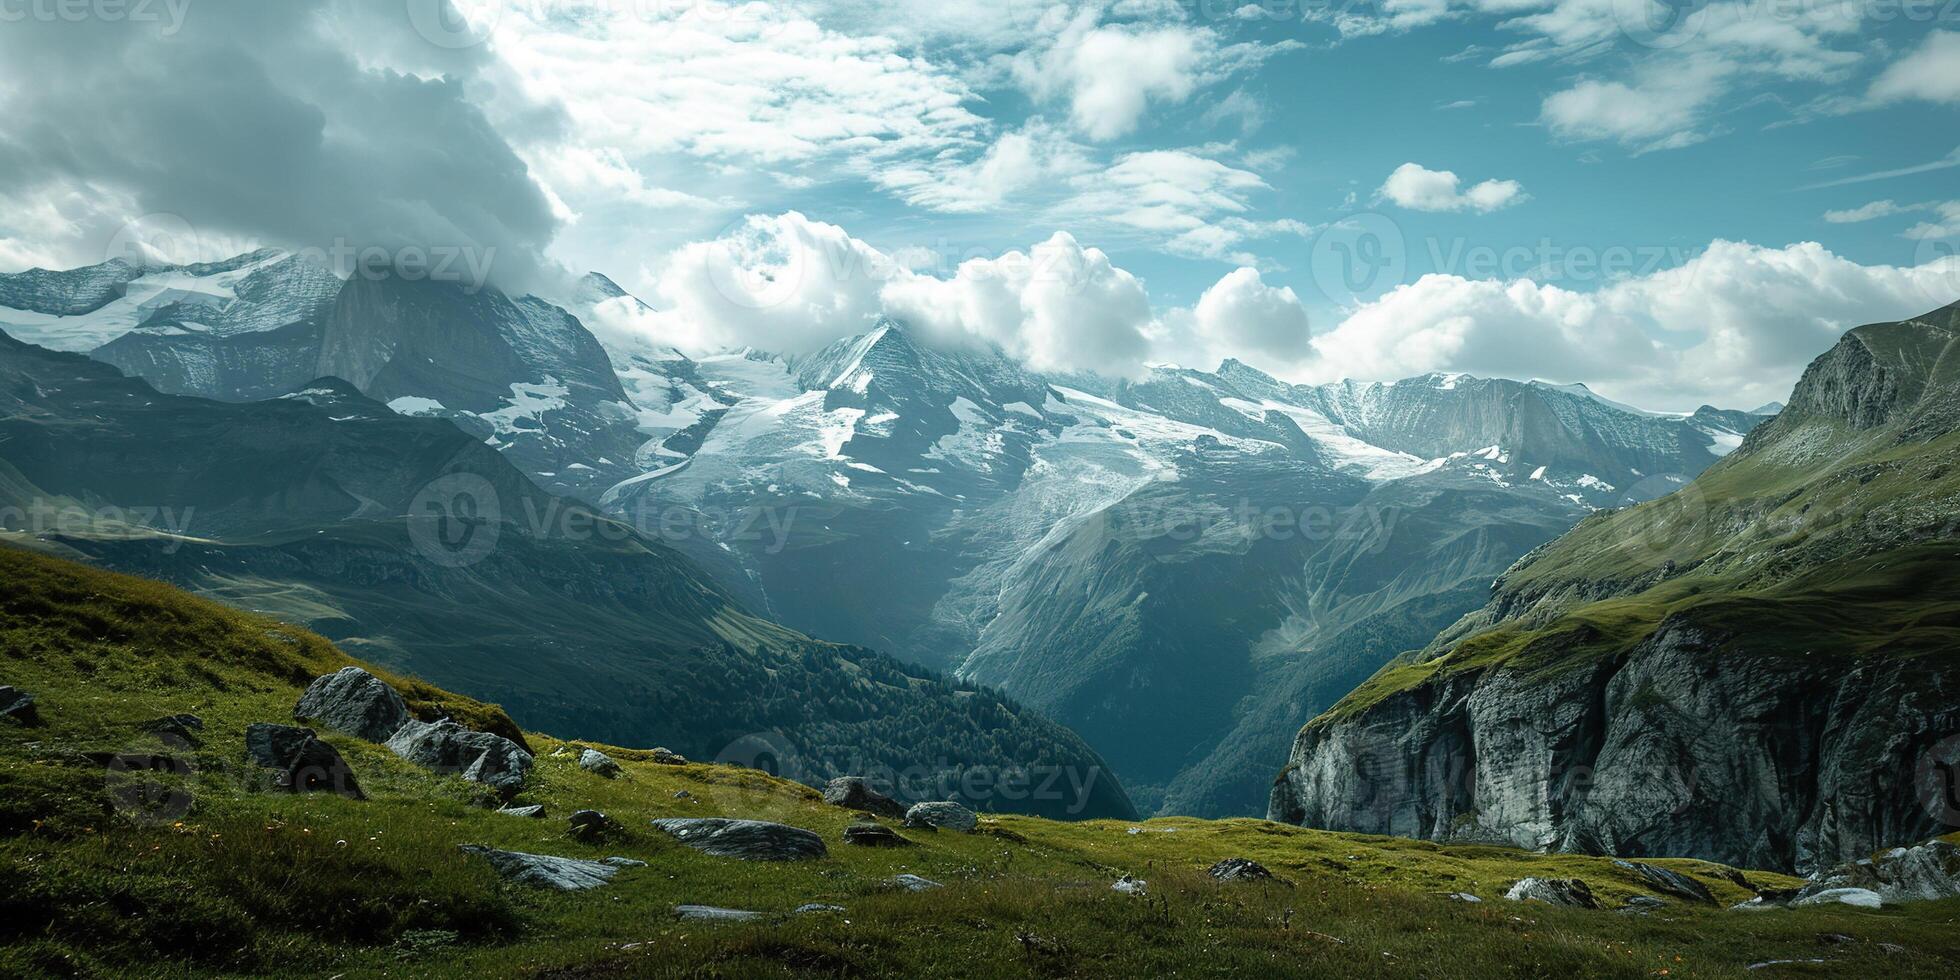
(213, 873)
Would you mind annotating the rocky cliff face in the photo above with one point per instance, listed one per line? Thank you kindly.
(1757, 669)
(1689, 745)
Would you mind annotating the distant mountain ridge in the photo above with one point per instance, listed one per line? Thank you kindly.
(521, 374)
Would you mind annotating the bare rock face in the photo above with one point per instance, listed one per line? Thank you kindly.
(855, 792)
(748, 840)
(1686, 746)
(448, 747)
(353, 702)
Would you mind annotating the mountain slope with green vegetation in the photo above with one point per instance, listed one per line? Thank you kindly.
(210, 870)
(326, 509)
(1754, 669)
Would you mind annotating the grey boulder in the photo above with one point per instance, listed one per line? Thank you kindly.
(19, 706)
(1567, 892)
(352, 701)
(533, 812)
(301, 762)
(874, 835)
(749, 840)
(180, 729)
(942, 816)
(855, 793)
(709, 913)
(449, 748)
(1239, 869)
(914, 883)
(598, 763)
(1863, 898)
(1669, 882)
(545, 870)
(591, 825)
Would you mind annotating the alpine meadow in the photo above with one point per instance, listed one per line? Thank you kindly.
(590, 489)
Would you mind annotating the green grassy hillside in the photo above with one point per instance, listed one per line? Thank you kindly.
(1831, 532)
(130, 873)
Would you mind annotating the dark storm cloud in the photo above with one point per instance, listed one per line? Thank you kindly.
(321, 125)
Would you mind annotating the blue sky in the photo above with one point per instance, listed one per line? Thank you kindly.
(1674, 204)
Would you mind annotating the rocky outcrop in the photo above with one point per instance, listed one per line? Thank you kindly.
(18, 706)
(548, 871)
(1749, 758)
(749, 840)
(353, 702)
(451, 749)
(942, 816)
(180, 729)
(1671, 882)
(855, 792)
(874, 835)
(598, 763)
(710, 913)
(302, 763)
(1924, 873)
(1568, 893)
(1239, 869)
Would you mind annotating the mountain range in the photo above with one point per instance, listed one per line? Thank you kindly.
(424, 548)
(1179, 567)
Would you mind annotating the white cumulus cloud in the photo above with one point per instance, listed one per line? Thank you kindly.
(1734, 325)
(1931, 72)
(1418, 188)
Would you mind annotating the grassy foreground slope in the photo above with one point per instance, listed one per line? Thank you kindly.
(129, 873)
